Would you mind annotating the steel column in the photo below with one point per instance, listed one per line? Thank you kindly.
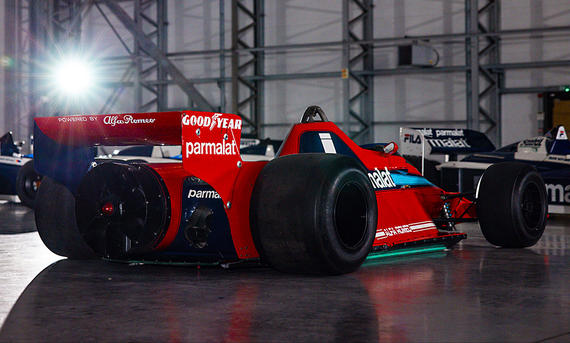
(137, 57)
(154, 51)
(472, 63)
(11, 63)
(358, 90)
(490, 97)
(247, 33)
(222, 57)
(483, 23)
(150, 18)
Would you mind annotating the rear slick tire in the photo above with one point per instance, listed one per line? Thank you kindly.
(512, 205)
(55, 220)
(313, 213)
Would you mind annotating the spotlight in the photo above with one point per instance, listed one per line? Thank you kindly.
(73, 76)
(6, 62)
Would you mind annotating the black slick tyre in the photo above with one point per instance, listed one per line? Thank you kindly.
(512, 205)
(313, 213)
(56, 223)
(27, 184)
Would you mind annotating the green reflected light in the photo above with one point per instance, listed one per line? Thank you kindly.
(405, 251)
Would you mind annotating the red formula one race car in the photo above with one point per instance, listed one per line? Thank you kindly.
(323, 205)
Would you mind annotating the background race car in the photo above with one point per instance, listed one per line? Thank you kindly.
(426, 148)
(549, 154)
(17, 174)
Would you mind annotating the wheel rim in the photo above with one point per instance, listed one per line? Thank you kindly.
(31, 185)
(351, 214)
(531, 205)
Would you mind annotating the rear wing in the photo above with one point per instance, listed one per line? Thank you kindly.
(211, 149)
(432, 141)
(66, 145)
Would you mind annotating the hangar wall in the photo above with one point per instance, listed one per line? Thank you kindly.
(413, 98)
(3, 127)
(416, 99)
(520, 110)
(434, 99)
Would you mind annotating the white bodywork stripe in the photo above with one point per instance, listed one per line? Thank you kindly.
(422, 226)
(326, 141)
(560, 209)
(415, 227)
(14, 161)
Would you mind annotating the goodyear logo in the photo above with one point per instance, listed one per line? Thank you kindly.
(215, 121)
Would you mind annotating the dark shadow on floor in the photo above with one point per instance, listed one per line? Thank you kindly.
(16, 218)
(101, 301)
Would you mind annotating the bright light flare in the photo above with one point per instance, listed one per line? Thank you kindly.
(73, 76)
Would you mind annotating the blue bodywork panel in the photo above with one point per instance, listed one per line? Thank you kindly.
(8, 175)
(63, 163)
(311, 142)
(214, 238)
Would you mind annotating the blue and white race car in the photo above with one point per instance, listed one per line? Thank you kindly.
(549, 154)
(17, 174)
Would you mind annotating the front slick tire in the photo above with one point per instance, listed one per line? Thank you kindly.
(55, 220)
(313, 213)
(511, 205)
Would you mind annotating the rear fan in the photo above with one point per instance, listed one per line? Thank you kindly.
(122, 209)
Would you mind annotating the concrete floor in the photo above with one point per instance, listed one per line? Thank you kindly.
(474, 293)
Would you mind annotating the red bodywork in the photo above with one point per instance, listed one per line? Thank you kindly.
(210, 149)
